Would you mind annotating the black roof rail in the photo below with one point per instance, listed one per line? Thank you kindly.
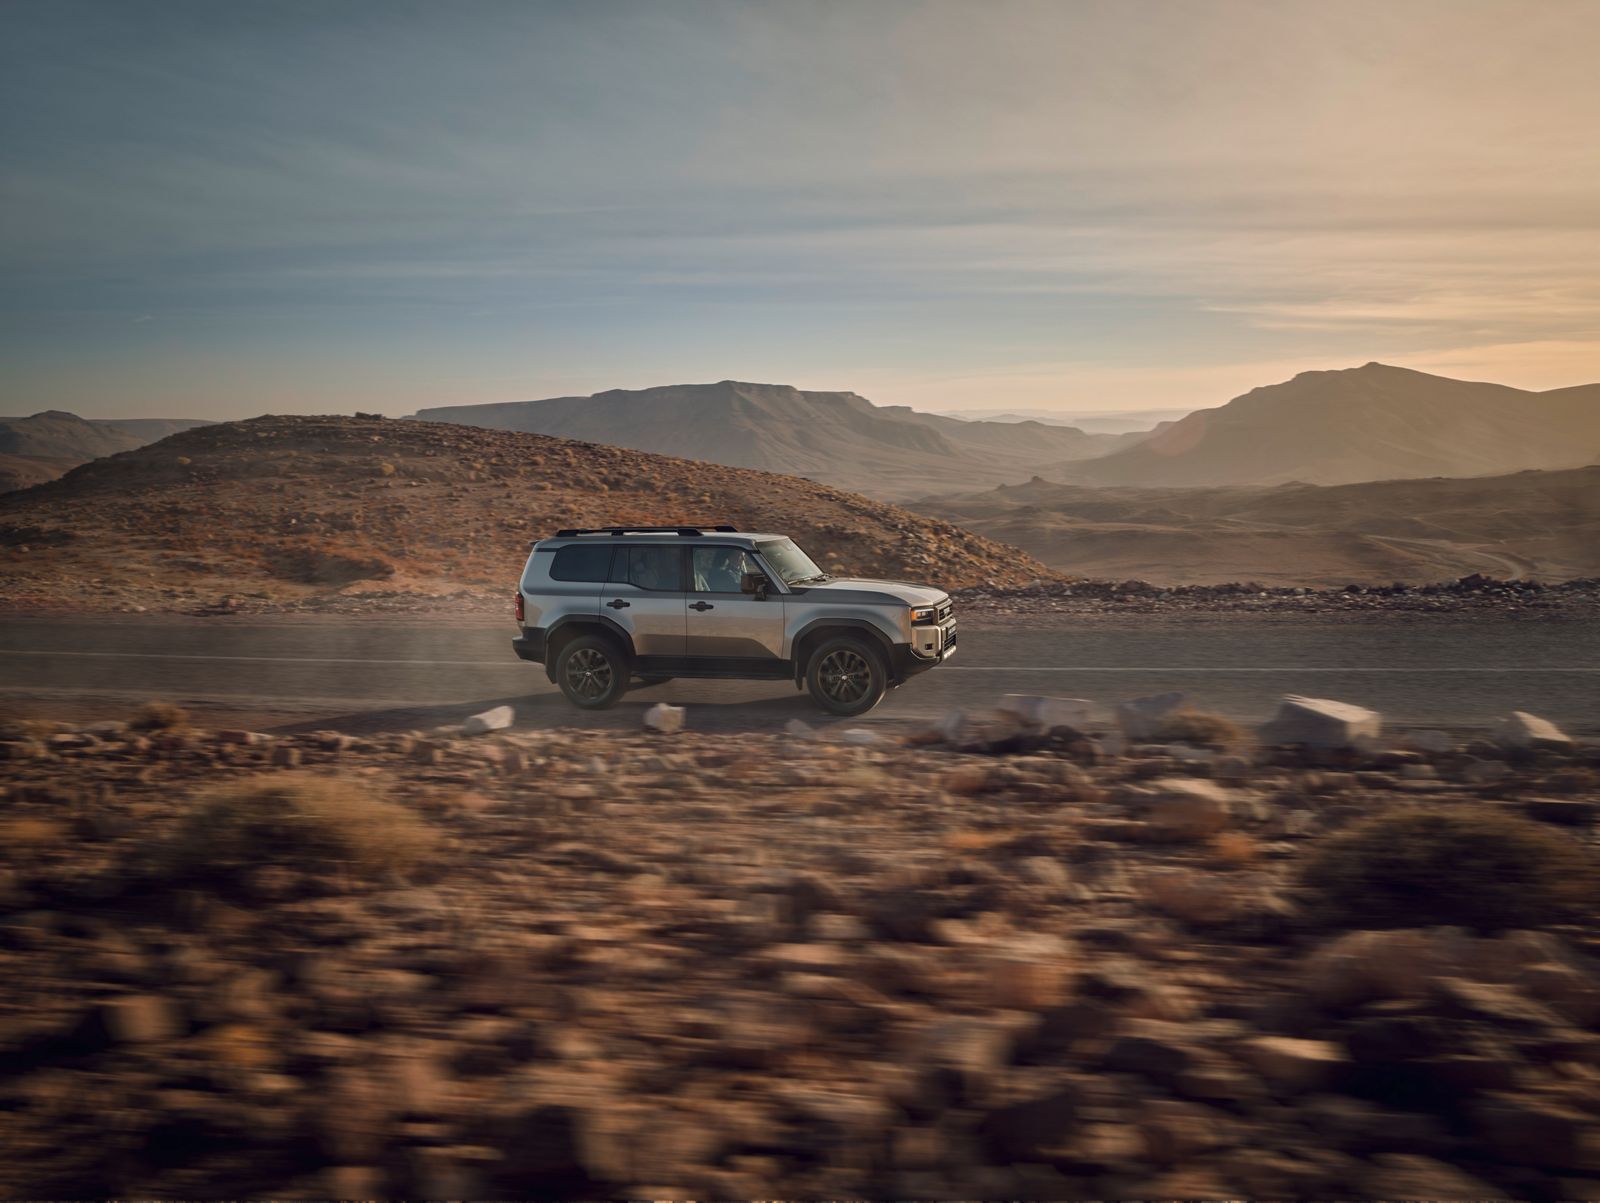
(571, 532)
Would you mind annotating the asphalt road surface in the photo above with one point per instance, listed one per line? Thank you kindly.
(388, 675)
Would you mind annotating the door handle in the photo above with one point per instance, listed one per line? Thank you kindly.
(702, 606)
(618, 604)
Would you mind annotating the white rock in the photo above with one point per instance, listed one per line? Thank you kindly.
(1047, 714)
(1321, 723)
(1524, 730)
(953, 726)
(497, 719)
(860, 737)
(797, 729)
(664, 718)
(1141, 718)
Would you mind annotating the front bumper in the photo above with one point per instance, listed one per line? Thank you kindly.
(530, 644)
(931, 645)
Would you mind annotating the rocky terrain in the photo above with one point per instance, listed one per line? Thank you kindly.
(44, 445)
(285, 510)
(1535, 524)
(1015, 957)
(888, 451)
(1375, 422)
(1468, 596)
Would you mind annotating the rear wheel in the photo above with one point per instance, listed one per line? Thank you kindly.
(591, 672)
(846, 676)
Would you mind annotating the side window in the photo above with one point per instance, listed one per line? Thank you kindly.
(658, 568)
(720, 569)
(580, 563)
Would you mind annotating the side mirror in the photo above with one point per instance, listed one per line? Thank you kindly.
(754, 582)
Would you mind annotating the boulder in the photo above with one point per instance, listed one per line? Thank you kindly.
(497, 719)
(140, 1019)
(1028, 972)
(1523, 730)
(1295, 1065)
(1198, 898)
(1320, 723)
(1187, 809)
(1046, 714)
(1141, 718)
(664, 718)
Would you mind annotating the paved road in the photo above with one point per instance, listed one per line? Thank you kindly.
(383, 674)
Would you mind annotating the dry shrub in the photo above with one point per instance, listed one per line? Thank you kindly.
(1476, 868)
(302, 821)
(310, 561)
(1234, 849)
(1202, 730)
(972, 840)
(160, 716)
(26, 834)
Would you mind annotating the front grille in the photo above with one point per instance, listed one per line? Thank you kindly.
(943, 612)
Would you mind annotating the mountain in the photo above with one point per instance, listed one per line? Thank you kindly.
(1369, 423)
(43, 446)
(840, 438)
(1097, 421)
(285, 509)
(1536, 524)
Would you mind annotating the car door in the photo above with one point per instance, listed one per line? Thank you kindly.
(645, 597)
(725, 624)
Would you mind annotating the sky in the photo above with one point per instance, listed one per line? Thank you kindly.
(219, 209)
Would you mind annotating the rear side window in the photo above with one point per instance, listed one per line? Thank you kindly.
(658, 568)
(581, 563)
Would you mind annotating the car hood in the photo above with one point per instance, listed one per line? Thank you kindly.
(862, 589)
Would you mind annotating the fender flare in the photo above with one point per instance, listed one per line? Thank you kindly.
(599, 622)
(884, 642)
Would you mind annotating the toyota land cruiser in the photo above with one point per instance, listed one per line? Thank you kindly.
(603, 609)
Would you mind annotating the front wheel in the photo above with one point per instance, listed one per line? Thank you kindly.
(591, 672)
(846, 676)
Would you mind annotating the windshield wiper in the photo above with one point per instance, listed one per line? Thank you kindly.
(821, 576)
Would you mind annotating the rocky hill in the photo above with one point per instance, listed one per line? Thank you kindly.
(1528, 524)
(283, 508)
(1369, 423)
(842, 438)
(42, 446)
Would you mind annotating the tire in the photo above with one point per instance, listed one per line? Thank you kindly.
(846, 676)
(592, 672)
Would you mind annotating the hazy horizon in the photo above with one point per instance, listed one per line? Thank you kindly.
(219, 211)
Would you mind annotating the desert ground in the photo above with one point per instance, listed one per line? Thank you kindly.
(1161, 956)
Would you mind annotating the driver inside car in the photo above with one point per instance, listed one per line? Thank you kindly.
(723, 574)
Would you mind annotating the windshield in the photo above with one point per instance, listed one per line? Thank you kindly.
(792, 564)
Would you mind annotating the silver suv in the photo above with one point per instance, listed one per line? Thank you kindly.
(603, 609)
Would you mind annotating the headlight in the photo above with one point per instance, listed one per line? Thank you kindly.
(923, 613)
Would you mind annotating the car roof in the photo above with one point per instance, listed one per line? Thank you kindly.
(664, 535)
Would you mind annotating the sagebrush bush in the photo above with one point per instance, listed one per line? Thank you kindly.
(302, 821)
(1202, 730)
(160, 716)
(1473, 867)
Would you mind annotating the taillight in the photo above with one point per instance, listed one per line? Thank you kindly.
(519, 607)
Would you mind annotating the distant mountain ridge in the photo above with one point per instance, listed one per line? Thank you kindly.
(1526, 524)
(837, 437)
(1374, 422)
(44, 445)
